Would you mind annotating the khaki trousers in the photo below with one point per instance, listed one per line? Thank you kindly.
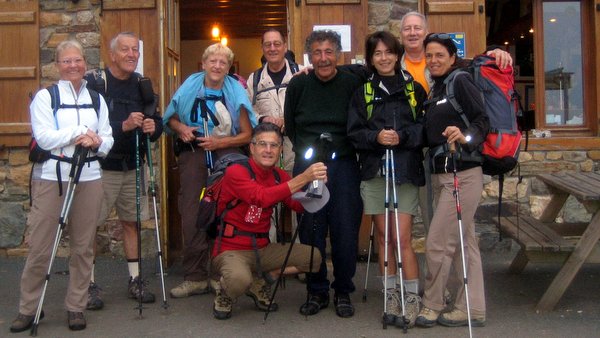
(237, 266)
(443, 242)
(43, 223)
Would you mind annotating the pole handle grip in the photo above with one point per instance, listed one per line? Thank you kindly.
(452, 147)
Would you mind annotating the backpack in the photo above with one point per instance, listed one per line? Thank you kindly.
(501, 147)
(36, 153)
(502, 144)
(208, 219)
(256, 77)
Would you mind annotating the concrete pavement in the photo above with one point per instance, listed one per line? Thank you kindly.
(510, 302)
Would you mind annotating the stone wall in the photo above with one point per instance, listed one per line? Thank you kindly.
(59, 20)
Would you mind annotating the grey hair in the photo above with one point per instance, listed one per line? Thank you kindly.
(417, 14)
(218, 48)
(115, 40)
(64, 45)
(322, 36)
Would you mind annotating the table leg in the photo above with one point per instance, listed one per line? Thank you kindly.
(568, 271)
(519, 262)
(553, 208)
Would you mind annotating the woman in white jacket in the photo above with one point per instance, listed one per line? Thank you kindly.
(75, 122)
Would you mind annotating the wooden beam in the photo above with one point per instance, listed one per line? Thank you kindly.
(450, 7)
(129, 4)
(17, 72)
(17, 17)
(15, 128)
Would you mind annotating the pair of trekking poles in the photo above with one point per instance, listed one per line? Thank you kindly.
(77, 164)
(389, 165)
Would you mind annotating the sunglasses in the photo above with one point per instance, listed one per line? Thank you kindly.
(441, 36)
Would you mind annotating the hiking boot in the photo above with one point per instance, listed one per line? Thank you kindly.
(343, 305)
(76, 320)
(315, 303)
(190, 288)
(457, 317)
(392, 305)
(94, 301)
(411, 309)
(260, 292)
(136, 287)
(23, 322)
(427, 317)
(222, 305)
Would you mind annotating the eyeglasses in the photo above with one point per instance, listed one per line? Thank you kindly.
(441, 36)
(264, 144)
(71, 61)
(275, 44)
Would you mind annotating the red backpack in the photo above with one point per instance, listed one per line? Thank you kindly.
(501, 147)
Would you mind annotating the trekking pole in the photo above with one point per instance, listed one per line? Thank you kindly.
(283, 266)
(364, 297)
(386, 232)
(207, 153)
(159, 255)
(452, 149)
(138, 219)
(405, 321)
(77, 164)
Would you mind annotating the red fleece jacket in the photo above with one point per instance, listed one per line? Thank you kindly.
(262, 194)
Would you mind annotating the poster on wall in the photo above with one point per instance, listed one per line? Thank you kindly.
(343, 30)
(459, 41)
(140, 65)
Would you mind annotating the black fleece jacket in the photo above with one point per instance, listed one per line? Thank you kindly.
(390, 108)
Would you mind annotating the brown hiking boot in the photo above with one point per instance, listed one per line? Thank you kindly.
(223, 305)
(76, 320)
(190, 288)
(457, 317)
(260, 292)
(23, 322)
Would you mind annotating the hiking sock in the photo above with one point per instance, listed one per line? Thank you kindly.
(411, 285)
(268, 278)
(391, 281)
(93, 268)
(132, 265)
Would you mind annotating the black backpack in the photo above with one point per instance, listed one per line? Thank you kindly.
(36, 153)
(289, 55)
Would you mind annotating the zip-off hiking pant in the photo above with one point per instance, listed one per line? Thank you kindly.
(43, 223)
(443, 242)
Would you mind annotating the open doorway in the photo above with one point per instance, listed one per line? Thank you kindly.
(242, 23)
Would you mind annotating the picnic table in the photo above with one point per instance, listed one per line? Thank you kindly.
(544, 240)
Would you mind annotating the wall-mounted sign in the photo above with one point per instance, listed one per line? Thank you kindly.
(459, 41)
(343, 30)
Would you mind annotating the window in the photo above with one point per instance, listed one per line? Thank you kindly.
(563, 64)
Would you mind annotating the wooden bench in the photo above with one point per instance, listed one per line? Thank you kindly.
(540, 242)
(544, 240)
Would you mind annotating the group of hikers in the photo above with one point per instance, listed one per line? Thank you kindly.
(369, 125)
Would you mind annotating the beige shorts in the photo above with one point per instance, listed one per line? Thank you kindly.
(373, 196)
(119, 192)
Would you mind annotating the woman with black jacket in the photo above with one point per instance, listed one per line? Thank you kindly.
(444, 126)
(386, 113)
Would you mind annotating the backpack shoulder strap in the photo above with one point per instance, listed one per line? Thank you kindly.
(409, 90)
(255, 80)
(54, 98)
(369, 94)
(95, 101)
(449, 82)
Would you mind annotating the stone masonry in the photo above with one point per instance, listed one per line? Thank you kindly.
(59, 20)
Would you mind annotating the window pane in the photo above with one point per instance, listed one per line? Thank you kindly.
(563, 63)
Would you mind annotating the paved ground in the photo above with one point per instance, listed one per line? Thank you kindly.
(511, 300)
